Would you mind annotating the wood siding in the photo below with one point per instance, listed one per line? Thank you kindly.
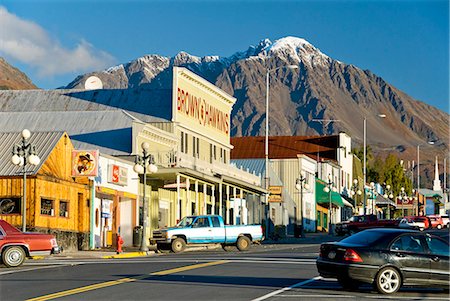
(53, 182)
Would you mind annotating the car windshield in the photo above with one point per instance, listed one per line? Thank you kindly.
(186, 221)
(364, 238)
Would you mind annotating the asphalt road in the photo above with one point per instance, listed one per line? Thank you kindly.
(267, 272)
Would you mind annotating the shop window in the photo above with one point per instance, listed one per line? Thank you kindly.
(10, 205)
(64, 208)
(196, 147)
(47, 207)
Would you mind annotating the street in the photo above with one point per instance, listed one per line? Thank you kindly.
(266, 272)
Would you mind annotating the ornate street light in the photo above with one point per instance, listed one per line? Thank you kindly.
(328, 189)
(143, 163)
(388, 195)
(23, 153)
(301, 184)
(355, 190)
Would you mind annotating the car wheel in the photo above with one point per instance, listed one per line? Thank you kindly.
(178, 245)
(439, 227)
(388, 280)
(349, 284)
(243, 243)
(13, 256)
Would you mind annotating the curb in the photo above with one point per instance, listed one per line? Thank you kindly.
(129, 255)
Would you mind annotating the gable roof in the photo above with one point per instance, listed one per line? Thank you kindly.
(44, 142)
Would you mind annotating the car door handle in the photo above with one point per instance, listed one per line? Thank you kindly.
(400, 254)
(435, 259)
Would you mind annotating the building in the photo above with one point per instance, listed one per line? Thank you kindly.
(56, 202)
(289, 156)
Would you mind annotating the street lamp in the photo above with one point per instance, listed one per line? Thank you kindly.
(23, 153)
(365, 159)
(388, 195)
(266, 152)
(418, 175)
(373, 196)
(141, 167)
(328, 189)
(301, 184)
(355, 190)
(403, 197)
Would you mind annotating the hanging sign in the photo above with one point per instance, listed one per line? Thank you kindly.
(84, 163)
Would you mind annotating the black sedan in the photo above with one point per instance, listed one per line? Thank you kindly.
(388, 259)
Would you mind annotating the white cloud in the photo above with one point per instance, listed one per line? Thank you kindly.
(30, 44)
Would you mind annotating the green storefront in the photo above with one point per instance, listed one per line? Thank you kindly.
(323, 200)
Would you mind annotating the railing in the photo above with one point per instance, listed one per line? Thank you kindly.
(178, 159)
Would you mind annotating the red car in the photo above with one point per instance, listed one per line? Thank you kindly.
(423, 219)
(16, 245)
(436, 221)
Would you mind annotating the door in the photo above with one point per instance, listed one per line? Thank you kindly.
(439, 260)
(201, 231)
(217, 230)
(409, 254)
(126, 221)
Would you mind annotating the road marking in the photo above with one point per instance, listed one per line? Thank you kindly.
(317, 296)
(287, 289)
(124, 280)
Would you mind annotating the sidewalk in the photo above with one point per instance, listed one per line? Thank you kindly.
(131, 252)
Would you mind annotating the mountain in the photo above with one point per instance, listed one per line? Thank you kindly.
(322, 96)
(12, 78)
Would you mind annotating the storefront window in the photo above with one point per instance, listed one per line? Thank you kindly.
(47, 207)
(64, 208)
(10, 205)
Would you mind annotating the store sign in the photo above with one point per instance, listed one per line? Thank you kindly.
(106, 208)
(117, 174)
(84, 163)
(275, 194)
(202, 111)
(405, 202)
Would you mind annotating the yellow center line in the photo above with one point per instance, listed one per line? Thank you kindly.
(124, 280)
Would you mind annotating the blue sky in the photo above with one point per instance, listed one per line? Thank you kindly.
(405, 42)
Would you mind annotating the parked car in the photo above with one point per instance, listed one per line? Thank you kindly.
(388, 259)
(445, 220)
(206, 229)
(362, 222)
(411, 223)
(16, 245)
(436, 221)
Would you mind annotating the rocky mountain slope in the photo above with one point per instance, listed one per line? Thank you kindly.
(12, 78)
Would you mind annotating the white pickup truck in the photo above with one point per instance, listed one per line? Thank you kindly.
(206, 229)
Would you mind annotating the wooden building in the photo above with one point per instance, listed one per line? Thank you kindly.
(56, 202)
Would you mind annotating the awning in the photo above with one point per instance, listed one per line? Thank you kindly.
(381, 200)
(323, 197)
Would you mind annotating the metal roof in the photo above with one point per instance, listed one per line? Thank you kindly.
(284, 147)
(44, 142)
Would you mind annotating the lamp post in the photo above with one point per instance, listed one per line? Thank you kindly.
(328, 189)
(402, 196)
(365, 159)
(141, 167)
(388, 195)
(355, 190)
(373, 196)
(266, 151)
(301, 184)
(23, 153)
(418, 174)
